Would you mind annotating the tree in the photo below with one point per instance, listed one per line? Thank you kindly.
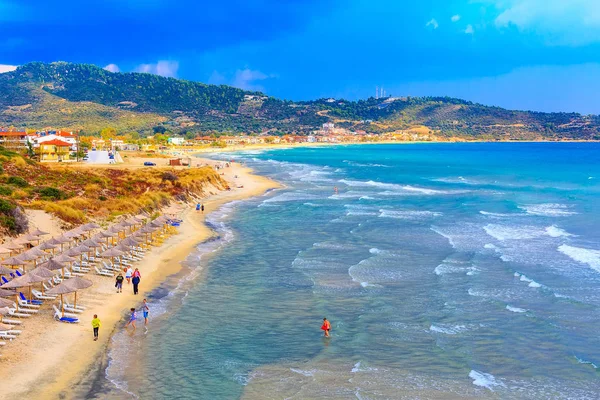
(108, 133)
(190, 135)
(159, 129)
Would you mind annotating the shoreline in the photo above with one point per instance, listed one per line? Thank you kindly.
(59, 358)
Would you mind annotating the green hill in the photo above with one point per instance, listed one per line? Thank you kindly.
(88, 98)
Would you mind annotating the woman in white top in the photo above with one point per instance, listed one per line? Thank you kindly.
(128, 274)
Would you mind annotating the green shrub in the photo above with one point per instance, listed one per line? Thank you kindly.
(6, 206)
(8, 222)
(50, 193)
(102, 198)
(5, 191)
(17, 181)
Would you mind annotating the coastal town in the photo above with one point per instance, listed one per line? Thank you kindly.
(56, 145)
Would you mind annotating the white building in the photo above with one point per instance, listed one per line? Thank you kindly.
(177, 141)
(63, 137)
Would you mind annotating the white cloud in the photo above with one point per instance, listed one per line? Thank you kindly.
(112, 68)
(433, 23)
(162, 68)
(7, 68)
(469, 30)
(246, 78)
(558, 22)
(455, 18)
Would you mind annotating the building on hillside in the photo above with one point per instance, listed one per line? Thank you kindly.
(177, 141)
(16, 141)
(71, 139)
(116, 144)
(55, 150)
(328, 127)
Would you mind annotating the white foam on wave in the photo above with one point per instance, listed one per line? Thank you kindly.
(582, 361)
(310, 372)
(520, 232)
(482, 379)
(448, 329)
(516, 309)
(500, 215)
(436, 230)
(408, 214)
(357, 164)
(531, 282)
(395, 188)
(291, 196)
(582, 255)
(548, 210)
(510, 232)
(555, 231)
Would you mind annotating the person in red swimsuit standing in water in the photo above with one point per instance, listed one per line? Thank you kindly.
(326, 327)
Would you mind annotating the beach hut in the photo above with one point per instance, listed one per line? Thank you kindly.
(73, 285)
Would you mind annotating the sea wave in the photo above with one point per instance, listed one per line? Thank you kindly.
(482, 379)
(448, 329)
(548, 209)
(582, 255)
(516, 309)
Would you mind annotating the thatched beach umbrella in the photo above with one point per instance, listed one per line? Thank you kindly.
(6, 303)
(73, 233)
(89, 226)
(91, 243)
(27, 256)
(42, 272)
(29, 238)
(13, 246)
(46, 246)
(6, 293)
(112, 253)
(5, 271)
(13, 261)
(52, 265)
(23, 281)
(39, 232)
(70, 286)
(63, 258)
(4, 327)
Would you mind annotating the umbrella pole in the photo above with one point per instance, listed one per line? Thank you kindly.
(75, 302)
(62, 305)
(30, 294)
(17, 301)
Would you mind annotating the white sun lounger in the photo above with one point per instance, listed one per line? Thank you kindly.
(6, 335)
(68, 317)
(70, 309)
(11, 321)
(23, 304)
(13, 313)
(103, 272)
(38, 295)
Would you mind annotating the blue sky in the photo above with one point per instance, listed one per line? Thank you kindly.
(524, 54)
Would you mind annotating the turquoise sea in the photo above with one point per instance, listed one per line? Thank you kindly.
(446, 270)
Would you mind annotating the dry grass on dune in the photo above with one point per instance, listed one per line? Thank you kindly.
(76, 194)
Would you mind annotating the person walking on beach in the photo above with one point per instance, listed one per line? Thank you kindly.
(136, 277)
(96, 326)
(326, 327)
(198, 207)
(119, 283)
(132, 319)
(145, 311)
(128, 274)
(202, 208)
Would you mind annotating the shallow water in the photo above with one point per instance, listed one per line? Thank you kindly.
(446, 270)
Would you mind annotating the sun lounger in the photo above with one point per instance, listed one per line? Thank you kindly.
(7, 336)
(4, 280)
(103, 272)
(60, 314)
(71, 320)
(70, 309)
(11, 321)
(13, 313)
(39, 295)
(25, 301)
(25, 309)
(79, 307)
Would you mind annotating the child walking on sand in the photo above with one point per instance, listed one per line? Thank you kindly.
(119, 283)
(145, 311)
(96, 326)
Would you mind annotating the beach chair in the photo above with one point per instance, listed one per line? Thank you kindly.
(18, 272)
(38, 295)
(56, 280)
(25, 309)
(69, 309)
(25, 302)
(78, 307)
(11, 321)
(4, 280)
(69, 318)
(13, 313)
(103, 272)
(6, 335)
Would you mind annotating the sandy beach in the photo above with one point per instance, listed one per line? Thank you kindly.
(50, 358)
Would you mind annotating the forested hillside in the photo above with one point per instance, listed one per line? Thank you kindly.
(88, 98)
